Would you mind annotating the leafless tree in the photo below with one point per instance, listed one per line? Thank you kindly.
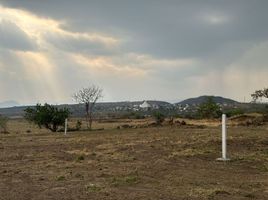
(260, 94)
(88, 96)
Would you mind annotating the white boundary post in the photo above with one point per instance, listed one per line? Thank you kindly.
(224, 138)
(66, 126)
(224, 132)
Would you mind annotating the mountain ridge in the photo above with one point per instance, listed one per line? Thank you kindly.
(203, 98)
(8, 104)
(78, 109)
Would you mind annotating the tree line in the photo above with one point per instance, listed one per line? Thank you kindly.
(52, 117)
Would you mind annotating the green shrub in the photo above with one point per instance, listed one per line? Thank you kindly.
(159, 117)
(139, 116)
(80, 158)
(209, 109)
(234, 112)
(60, 178)
(47, 116)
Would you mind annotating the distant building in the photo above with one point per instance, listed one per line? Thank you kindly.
(145, 106)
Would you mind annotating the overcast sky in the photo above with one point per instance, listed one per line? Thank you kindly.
(135, 50)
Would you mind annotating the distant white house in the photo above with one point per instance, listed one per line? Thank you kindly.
(145, 105)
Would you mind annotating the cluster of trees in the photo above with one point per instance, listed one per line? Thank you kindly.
(206, 110)
(52, 117)
(209, 109)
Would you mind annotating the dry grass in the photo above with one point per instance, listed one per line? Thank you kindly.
(144, 163)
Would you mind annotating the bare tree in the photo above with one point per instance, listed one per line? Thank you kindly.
(88, 96)
(260, 94)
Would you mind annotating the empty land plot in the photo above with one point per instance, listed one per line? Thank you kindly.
(144, 163)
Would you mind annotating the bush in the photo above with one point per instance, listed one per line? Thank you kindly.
(3, 124)
(47, 116)
(78, 125)
(234, 112)
(209, 109)
(138, 116)
(133, 115)
(159, 117)
(80, 158)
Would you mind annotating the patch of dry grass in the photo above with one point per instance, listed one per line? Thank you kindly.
(145, 163)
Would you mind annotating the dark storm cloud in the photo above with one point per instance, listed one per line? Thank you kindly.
(179, 48)
(163, 28)
(13, 38)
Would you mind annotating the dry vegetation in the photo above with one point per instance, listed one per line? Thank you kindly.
(169, 162)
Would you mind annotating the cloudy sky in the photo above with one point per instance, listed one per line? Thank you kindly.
(135, 50)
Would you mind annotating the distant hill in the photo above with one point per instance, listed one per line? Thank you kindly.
(78, 110)
(7, 104)
(201, 99)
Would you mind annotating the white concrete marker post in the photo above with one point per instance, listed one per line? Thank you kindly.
(224, 132)
(66, 126)
(224, 138)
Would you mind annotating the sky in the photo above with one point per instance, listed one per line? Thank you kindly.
(135, 50)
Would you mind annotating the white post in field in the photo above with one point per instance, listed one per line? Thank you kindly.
(66, 126)
(224, 138)
(224, 148)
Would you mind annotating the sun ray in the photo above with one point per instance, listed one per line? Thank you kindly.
(41, 71)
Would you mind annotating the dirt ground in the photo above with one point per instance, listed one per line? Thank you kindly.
(145, 163)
